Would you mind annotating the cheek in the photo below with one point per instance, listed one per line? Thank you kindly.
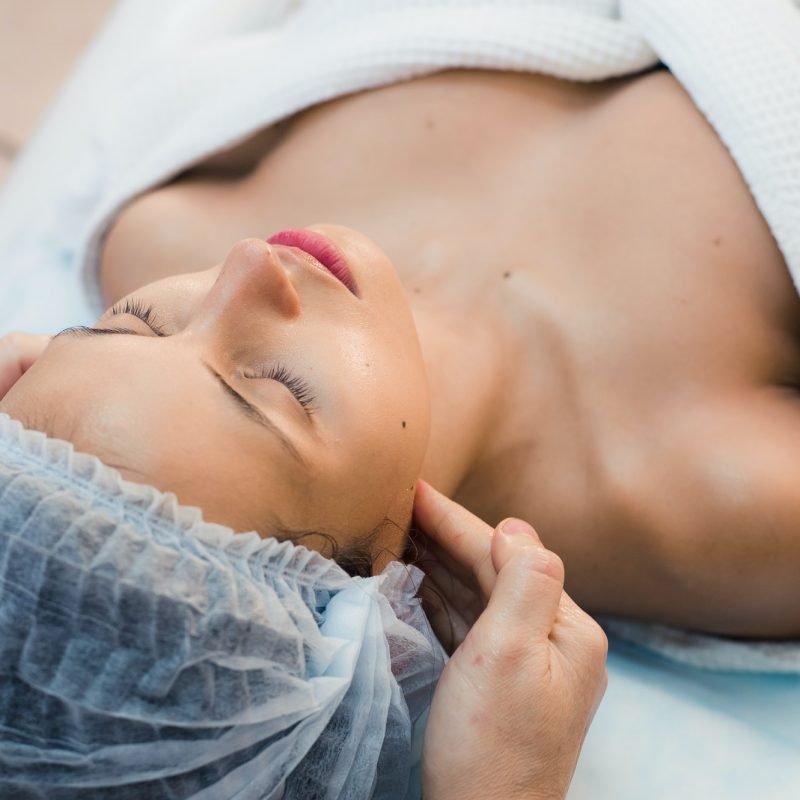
(388, 419)
(374, 410)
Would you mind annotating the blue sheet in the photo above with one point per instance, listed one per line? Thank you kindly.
(666, 730)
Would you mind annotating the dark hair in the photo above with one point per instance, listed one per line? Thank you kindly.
(356, 557)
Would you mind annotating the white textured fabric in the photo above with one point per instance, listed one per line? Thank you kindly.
(145, 653)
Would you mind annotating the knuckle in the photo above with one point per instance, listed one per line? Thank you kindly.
(546, 562)
(596, 641)
(508, 651)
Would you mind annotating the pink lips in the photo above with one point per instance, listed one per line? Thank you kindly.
(321, 248)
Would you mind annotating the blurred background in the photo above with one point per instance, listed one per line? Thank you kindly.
(40, 40)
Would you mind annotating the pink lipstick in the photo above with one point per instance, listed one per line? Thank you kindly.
(322, 249)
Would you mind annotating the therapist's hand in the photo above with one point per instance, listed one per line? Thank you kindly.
(513, 705)
(18, 352)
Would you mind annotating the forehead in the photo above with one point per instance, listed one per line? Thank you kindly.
(174, 428)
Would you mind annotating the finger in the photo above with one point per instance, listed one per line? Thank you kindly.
(18, 352)
(578, 636)
(516, 533)
(31, 347)
(464, 540)
(10, 373)
(528, 589)
(10, 366)
(22, 348)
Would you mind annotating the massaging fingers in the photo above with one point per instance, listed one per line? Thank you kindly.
(530, 606)
(581, 640)
(18, 352)
(508, 690)
(461, 546)
(567, 621)
(534, 597)
(464, 540)
(582, 644)
(452, 604)
(536, 578)
(578, 637)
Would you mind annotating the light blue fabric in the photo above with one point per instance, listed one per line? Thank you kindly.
(668, 730)
(145, 653)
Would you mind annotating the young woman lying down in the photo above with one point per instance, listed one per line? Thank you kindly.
(550, 300)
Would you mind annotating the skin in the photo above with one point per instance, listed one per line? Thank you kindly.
(265, 304)
(527, 646)
(610, 336)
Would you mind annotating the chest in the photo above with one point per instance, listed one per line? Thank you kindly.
(618, 190)
(608, 220)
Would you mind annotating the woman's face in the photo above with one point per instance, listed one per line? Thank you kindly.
(263, 390)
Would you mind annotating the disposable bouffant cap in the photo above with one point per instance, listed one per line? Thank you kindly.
(147, 653)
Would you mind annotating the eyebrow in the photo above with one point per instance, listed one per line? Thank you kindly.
(245, 407)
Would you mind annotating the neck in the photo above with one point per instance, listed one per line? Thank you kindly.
(467, 361)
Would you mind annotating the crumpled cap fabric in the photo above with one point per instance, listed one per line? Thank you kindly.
(147, 653)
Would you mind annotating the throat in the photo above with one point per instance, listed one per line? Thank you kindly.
(469, 361)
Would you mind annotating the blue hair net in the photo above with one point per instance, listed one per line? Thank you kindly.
(147, 653)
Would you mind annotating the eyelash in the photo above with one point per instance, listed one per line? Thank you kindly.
(137, 308)
(276, 372)
(296, 385)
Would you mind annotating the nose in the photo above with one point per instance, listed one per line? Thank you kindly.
(253, 278)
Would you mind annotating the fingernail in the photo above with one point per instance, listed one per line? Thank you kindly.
(517, 527)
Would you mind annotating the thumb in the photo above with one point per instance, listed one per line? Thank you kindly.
(530, 579)
(511, 535)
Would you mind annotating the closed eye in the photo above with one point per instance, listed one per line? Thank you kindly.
(296, 385)
(276, 372)
(144, 311)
